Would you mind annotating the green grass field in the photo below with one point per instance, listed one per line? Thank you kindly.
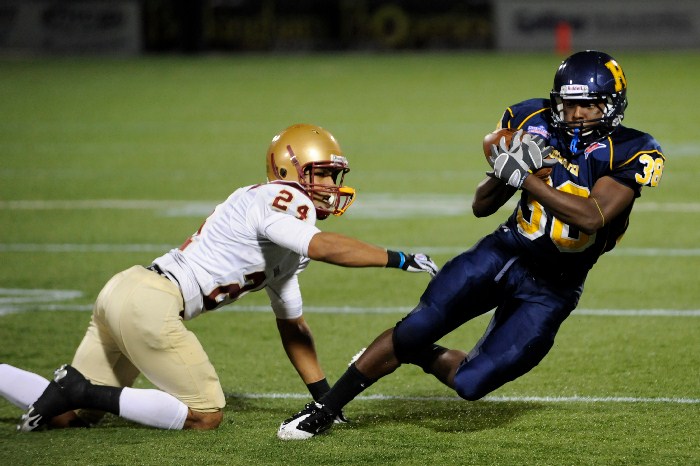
(108, 163)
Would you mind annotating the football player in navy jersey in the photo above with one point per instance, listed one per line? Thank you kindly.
(533, 267)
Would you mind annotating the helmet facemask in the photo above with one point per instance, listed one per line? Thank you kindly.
(300, 154)
(588, 76)
(329, 199)
(587, 131)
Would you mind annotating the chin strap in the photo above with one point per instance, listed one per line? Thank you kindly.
(574, 141)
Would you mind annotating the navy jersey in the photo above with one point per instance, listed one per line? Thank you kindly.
(631, 157)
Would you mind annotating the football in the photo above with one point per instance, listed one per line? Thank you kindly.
(494, 138)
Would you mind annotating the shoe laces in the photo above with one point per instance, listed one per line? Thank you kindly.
(319, 415)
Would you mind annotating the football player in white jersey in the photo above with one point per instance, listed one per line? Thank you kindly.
(261, 237)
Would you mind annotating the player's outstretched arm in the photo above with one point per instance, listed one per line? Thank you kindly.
(338, 249)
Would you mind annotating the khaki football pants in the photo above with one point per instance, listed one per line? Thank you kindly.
(136, 327)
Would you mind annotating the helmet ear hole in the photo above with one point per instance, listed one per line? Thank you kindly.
(283, 172)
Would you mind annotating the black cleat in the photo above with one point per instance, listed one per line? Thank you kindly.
(73, 383)
(32, 420)
(314, 419)
(59, 397)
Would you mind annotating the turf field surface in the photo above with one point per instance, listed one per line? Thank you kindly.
(108, 163)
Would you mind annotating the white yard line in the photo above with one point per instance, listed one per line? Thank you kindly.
(368, 205)
(492, 399)
(433, 250)
(13, 300)
(75, 247)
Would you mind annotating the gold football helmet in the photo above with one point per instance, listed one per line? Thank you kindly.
(294, 155)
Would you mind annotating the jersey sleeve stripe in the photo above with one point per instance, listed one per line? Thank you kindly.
(637, 155)
(527, 118)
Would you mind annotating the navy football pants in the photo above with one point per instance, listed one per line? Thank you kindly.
(529, 311)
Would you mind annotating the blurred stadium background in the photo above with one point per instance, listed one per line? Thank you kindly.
(134, 27)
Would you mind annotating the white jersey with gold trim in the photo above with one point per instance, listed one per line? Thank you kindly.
(258, 238)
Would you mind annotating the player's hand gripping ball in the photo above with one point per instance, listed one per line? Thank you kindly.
(495, 138)
(503, 138)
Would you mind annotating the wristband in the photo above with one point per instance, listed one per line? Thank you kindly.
(395, 259)
(318, 389)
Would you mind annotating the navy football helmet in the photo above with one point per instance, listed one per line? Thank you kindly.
(592, 76)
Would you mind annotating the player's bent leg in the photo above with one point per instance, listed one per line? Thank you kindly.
(519, 336)
(446, 304)
(99, 359)
(413, 343)
(444, 364)
(70, 390)
(378, 359)
(153, 408)
(20, 387)
(486, 372)
(152, 333)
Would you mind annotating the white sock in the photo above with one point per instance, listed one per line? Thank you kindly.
(20, 387)
(153, 408)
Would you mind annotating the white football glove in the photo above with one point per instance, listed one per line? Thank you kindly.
(411, 262)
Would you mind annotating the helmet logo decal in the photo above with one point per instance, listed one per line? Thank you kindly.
(339, 160)
(616, 71)
(574, 90)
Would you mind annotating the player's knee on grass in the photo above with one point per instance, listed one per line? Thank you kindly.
(198, 420)
(485, 373)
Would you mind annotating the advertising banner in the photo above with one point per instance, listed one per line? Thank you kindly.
(605, 24)
(104, 27)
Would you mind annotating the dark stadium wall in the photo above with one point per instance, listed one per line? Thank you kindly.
(131, 27)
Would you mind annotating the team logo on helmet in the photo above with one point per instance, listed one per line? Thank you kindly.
(616, 71)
